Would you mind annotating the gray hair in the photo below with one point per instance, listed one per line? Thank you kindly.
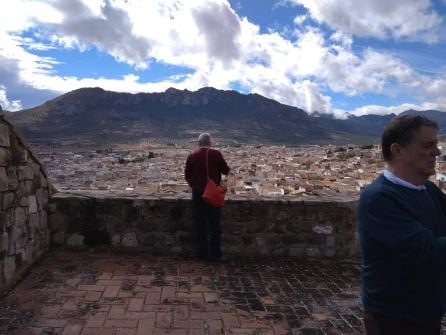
(204, 138)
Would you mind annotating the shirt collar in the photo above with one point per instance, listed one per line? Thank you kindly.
(390, 176)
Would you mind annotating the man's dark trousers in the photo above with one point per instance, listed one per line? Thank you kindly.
(207, 216)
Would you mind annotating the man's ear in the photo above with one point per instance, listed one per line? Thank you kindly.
(395, 149)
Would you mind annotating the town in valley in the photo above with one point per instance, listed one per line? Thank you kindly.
(149, 168)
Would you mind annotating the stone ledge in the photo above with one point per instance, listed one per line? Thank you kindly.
(342, 198)
(260, 227)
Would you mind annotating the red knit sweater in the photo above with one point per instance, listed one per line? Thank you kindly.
(195, 171)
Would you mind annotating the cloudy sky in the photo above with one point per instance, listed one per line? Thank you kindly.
(327, 56)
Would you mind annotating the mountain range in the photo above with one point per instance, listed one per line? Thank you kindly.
(100, 116)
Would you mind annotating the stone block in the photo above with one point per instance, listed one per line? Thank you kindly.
(43, 220)
(28, 186)
(9, 267)
(33, 225)
(4, 180)
(116, 240)
(28, 252)
(32, 204)
(277, 228)
(56, 222)
(22, 154)
(13, 183)
(35, 167)
(58, 238)
(22, 238)
(312, 252)
(75, 240)
(284, 214)
(260, 241)
(44, 199)
(256, 227)
(248, 240)
(24, 201)
(148, 239)
(4, 241)
(296, 252)
(129, 240)
(10, 217)
(52, 208)
(5, 157)
(4, 136)
(39, 198)
(311, 215)
(166, 240)
(329, 252)
(25, 173)
(290, 239)
(279, 252)
(184, 238)
(330, 241)
(3, 220)
(19, 217)
(324, 230)
(263, 251)
(176, 249)
(25, 187)
(43, 180)
(138, 203)
(14, 243)
(8, 200)
(232, 249)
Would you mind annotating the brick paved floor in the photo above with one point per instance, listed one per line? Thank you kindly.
(104, 293)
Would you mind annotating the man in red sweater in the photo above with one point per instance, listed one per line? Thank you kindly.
(195, 174)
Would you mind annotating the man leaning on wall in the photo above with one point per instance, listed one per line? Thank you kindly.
(402, 232)
(206, 216)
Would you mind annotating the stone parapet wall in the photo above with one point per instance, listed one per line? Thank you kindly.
(24, 193)
(293, 227)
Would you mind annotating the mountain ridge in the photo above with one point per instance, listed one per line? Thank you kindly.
(99, 115)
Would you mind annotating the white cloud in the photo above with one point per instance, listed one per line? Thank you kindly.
(385, 110)
(7, 104)
(372, 71)
(110, 30)
(314, 100)
(216, 45)
(221, 28)
(19, 15)
(299, 20)
(436, 88)
(378, 18)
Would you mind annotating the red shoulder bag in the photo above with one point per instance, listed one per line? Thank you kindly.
(213, 194)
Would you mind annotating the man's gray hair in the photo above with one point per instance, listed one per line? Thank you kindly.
(204, 138)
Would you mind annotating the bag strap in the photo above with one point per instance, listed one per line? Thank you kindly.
(207, 164)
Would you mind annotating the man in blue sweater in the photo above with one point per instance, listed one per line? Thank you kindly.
(402, 233)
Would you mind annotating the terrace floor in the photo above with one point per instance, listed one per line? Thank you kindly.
(106, 293)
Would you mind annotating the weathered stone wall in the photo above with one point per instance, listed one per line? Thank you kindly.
(24, 192)
(323, 228)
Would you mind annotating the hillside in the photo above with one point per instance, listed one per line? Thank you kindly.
(101, 116)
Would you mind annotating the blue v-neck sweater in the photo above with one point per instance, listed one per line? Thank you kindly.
(402, 235)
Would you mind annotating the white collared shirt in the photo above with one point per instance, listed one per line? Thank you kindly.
(390, 176)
